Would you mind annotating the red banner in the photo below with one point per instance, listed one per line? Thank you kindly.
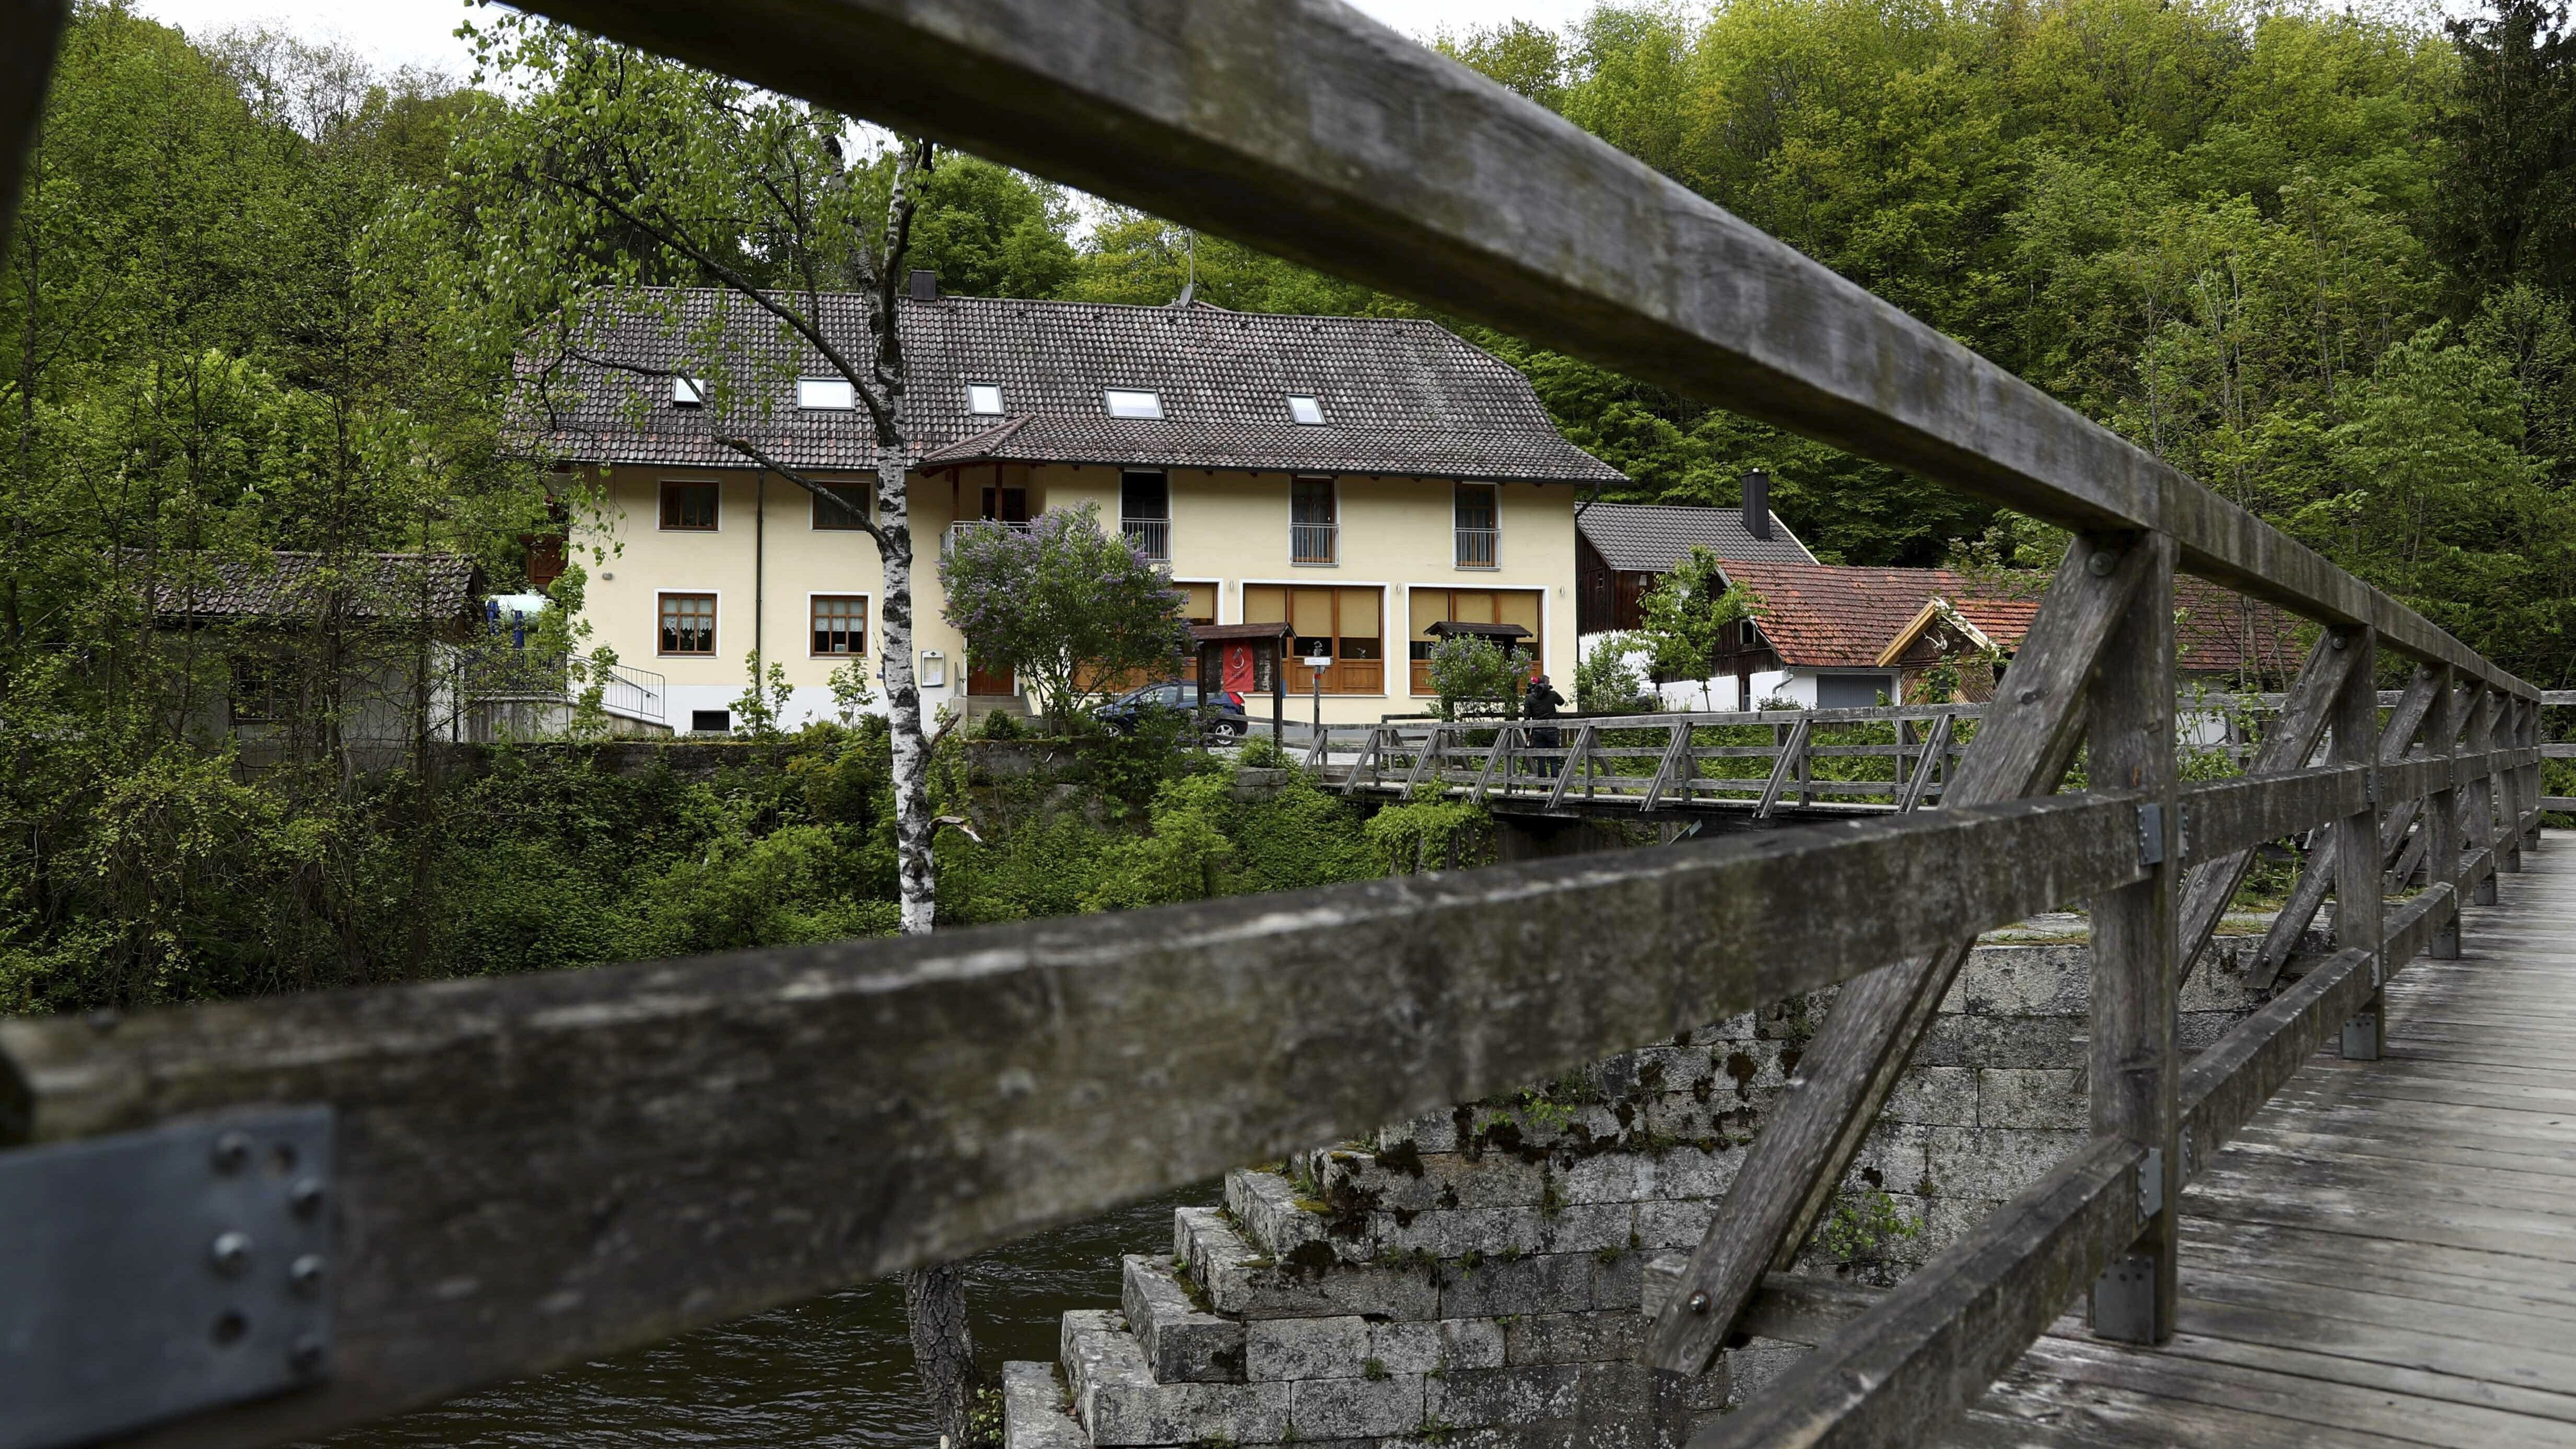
(1238, 668)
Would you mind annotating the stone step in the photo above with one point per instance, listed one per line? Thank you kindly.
(1183, 1341)
(1243, 1282)
(1037, 1413)
(1117, 1400)
(1289, 1228)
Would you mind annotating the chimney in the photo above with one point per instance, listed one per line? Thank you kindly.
(1757, 504)
(925, 285)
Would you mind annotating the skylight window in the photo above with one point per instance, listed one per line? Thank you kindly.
(984, 397)
(687, 392)
(1307, 410)
(825, 392)
(1124, 403)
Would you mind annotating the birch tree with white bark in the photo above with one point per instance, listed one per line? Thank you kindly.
(616, 177)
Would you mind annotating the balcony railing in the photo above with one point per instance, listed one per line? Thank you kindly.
(1314, 543)
(1150, 537)
(1479, 548)
(541, 675)
(948, 542)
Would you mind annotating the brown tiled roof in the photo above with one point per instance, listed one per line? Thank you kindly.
(288, 584)
(1398, 395)
(1822, 616)
(1651, 538)
(1819, 616)
(2220, 631)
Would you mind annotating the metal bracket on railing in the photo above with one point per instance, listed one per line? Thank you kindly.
(2151, 834)
(2151, 1184)
(157, 1273)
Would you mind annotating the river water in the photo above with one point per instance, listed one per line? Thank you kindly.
(833, 1371)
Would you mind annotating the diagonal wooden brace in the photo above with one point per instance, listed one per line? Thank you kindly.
(2286, 747)
(2022, 747)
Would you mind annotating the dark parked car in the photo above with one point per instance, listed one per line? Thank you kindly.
(1226, 721)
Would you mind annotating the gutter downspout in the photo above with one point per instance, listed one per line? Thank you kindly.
(759, 573)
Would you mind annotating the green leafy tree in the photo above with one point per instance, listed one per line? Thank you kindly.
(1688, 612)
(1474, 674)
(1067, 606)
(1604, 683)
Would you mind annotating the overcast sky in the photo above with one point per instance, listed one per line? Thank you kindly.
(421, 32)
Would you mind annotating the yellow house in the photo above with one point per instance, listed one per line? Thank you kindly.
(1359, 478)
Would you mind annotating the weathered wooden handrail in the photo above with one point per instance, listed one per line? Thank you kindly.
(538, 1169)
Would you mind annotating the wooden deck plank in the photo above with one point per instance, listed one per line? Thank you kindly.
(2326, 1403)
(2387, 1252)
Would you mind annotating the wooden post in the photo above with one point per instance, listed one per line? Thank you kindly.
(2481, 792)
(2442, 809)
(2533, 785)
(2357, 859)
(2509, 786)
(2137, 932)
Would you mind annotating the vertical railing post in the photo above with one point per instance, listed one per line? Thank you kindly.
(2137, 966)
(2442, 808)
(2508, 733)
(2481, 811)
(2356, 837)
(2533, 785)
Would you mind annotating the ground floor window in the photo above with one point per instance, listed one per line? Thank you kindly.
(1469, 606)
(688, 623)
(1198, 601)
(1343, 625)
(840, 624)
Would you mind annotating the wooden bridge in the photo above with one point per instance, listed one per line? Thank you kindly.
(257, 1221)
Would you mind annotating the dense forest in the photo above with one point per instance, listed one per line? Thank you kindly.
(263, 297)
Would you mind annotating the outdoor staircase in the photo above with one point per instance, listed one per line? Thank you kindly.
(1281, 1318)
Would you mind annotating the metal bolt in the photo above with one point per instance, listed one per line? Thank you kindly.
(2101, 563)
(305, 1273)
(1699, 1305)
(231, 1253)
(306, 1356)
(232, 1152)
(305, 1198)
(2338, 641)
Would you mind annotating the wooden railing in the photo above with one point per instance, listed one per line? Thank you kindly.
(535, 1170)
(1891, 758)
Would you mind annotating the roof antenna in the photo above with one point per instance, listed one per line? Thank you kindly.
(1190, 287)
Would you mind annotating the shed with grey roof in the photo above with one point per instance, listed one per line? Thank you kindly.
(1621, 549)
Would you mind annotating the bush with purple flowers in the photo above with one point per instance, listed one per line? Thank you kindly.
(1070, 608)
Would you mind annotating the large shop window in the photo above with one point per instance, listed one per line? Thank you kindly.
(1469, 606)
(1344, 625)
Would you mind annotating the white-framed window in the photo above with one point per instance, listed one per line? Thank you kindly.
(687, 392)
(831, 393)
(985, 398)
(1132, 403)
(840, 624)
(687, 624)
(1306, 410)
